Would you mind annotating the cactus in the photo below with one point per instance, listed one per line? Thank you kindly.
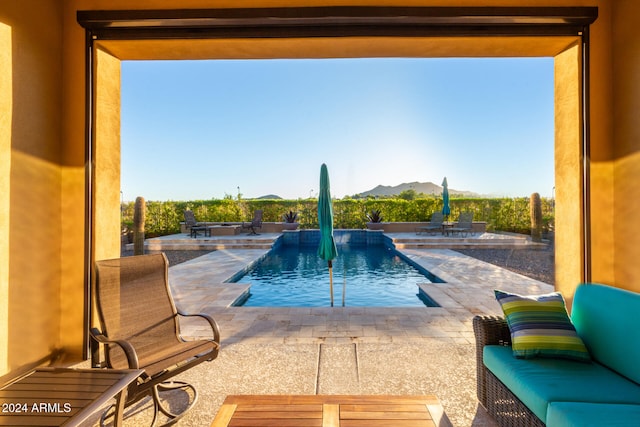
(535, 205)
(138, 226)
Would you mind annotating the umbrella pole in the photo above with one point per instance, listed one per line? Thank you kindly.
(344, 287)
(331, 281)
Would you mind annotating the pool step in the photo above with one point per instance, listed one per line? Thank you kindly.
(203, 246)
(461, 243)
(205, 243)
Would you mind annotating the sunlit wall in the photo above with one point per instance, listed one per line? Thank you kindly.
(30, 181)
(6, 79)
(626, 143)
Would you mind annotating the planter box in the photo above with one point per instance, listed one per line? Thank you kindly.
(375, 225)
(225, 230)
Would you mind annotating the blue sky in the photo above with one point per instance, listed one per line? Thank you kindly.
(201, 129)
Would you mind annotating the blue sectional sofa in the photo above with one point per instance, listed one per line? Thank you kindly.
(560, 392)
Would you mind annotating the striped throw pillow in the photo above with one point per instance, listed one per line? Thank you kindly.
(540, 327)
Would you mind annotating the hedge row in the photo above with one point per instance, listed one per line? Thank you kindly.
(500, 214)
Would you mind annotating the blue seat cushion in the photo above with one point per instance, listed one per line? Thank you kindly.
(536, 382)
(575, 414)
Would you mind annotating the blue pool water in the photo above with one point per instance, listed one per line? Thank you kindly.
(294, 276)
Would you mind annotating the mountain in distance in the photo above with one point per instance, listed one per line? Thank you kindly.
(418, 187)
(269, 196)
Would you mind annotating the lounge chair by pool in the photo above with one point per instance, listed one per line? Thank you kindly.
(435, 225)
(464, 225)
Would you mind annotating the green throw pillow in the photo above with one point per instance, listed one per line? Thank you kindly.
(540, 327)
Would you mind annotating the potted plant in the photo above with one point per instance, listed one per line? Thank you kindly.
(375, 220)
(290, 221)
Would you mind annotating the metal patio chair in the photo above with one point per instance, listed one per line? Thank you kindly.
(140, 329)
(256, 222)
(194, 226)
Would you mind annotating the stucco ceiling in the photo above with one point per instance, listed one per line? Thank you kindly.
(351, 47)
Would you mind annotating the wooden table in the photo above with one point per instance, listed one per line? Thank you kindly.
(331, 411)
(59, 396)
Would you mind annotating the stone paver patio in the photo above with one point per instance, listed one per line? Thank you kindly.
(343, 350)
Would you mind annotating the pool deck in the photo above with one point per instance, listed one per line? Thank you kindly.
(343, 350)
(198, 286)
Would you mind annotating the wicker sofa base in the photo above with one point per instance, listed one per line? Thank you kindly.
(505, 408)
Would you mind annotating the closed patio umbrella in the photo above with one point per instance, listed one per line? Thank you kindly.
(327, 248)
(446, 209)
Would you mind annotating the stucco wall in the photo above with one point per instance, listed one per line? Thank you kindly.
(107, 164)
(568, 165)
(72, 163)
(601, 171)
(31, 182)
(626, 143)
(6, 90)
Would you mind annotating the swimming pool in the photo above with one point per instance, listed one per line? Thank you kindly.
(375, 276)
